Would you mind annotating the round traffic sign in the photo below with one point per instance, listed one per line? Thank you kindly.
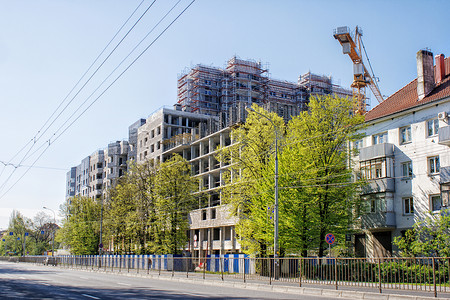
(329, 238)
(195, 237)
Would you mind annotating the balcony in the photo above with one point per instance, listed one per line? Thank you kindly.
(444, 135)
(376, 151)
(97, 181)
(444, 175)
(378, 220)
(379, 186)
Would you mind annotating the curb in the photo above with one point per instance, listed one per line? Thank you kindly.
(344, 294)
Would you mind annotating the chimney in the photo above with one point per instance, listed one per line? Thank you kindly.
(425, 74)
(439, 73)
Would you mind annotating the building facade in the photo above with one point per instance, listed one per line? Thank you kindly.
(225, 92)
(210, 102)
(405, 158)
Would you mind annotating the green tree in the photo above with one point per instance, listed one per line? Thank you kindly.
(428, 237)
(173, 189)
(130, 213)
(316, 193)
(35, 243)
(80, 229)
(249, 179)
(18, 225)
(319, 140)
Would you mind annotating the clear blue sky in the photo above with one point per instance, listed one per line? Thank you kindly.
(46, 45)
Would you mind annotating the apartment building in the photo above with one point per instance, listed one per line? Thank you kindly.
(133, 138)
(101, 170)
(405, 157)
(225, 92)
(71, 178)
(166, 128)
(211, 225)
(210, 101)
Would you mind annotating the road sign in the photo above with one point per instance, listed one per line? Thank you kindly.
(26, 233)
(11, 233)
(18, 238)
(329, 238)
(42, 231)
(101, 245)
(195, 237)
(195, 244)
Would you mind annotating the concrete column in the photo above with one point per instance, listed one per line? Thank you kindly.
(222, 240)
(233, 239)
(210, 239)
(200, 241)
(191, 241)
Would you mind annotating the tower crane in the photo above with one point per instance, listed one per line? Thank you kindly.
(351, 45)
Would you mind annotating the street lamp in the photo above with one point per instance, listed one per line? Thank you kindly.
(275, 238)
(53, 234)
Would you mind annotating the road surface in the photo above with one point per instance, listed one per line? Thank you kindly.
(27, 281)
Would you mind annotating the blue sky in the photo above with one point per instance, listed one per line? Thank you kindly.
(46, 45)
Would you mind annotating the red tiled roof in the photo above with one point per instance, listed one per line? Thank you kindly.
(407, 97)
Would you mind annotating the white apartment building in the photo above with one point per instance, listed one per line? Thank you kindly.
(167, 128)
(405, 158)
(195, 137)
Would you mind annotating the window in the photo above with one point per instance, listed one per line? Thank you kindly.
(358, 144)
(158, 130)
(374, 203)
(405, 135)
(380, 138)
(152, 135)
(158, 145)
(227, 233)
(432, 127)
(373, 169)
(204, 214)
(216, 234)
(213, 213)
(408, 206)
(407, 169)
(435, 202)
(433, 165)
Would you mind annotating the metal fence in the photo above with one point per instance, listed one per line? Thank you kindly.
(429, 274)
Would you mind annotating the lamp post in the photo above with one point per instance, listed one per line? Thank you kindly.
(53, 233)
(275, 238)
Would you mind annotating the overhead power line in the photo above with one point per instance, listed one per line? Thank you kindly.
(45, 128)
(50, 142)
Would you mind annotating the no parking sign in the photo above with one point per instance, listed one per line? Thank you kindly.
(329, 238)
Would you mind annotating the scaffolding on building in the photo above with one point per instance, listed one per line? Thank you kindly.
(227, 92)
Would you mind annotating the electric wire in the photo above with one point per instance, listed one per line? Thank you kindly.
(37, 136)
(38, 167)
(98, 68)
(98, 97)
(112, 73)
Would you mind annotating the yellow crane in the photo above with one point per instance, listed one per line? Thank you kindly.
(353, 45)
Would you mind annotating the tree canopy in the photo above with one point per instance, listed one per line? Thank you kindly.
(316, 192)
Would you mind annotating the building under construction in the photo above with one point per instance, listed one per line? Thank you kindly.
(227, 92)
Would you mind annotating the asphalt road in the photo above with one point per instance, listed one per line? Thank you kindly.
(26, 281)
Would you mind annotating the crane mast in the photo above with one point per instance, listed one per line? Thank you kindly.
(351, 45)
